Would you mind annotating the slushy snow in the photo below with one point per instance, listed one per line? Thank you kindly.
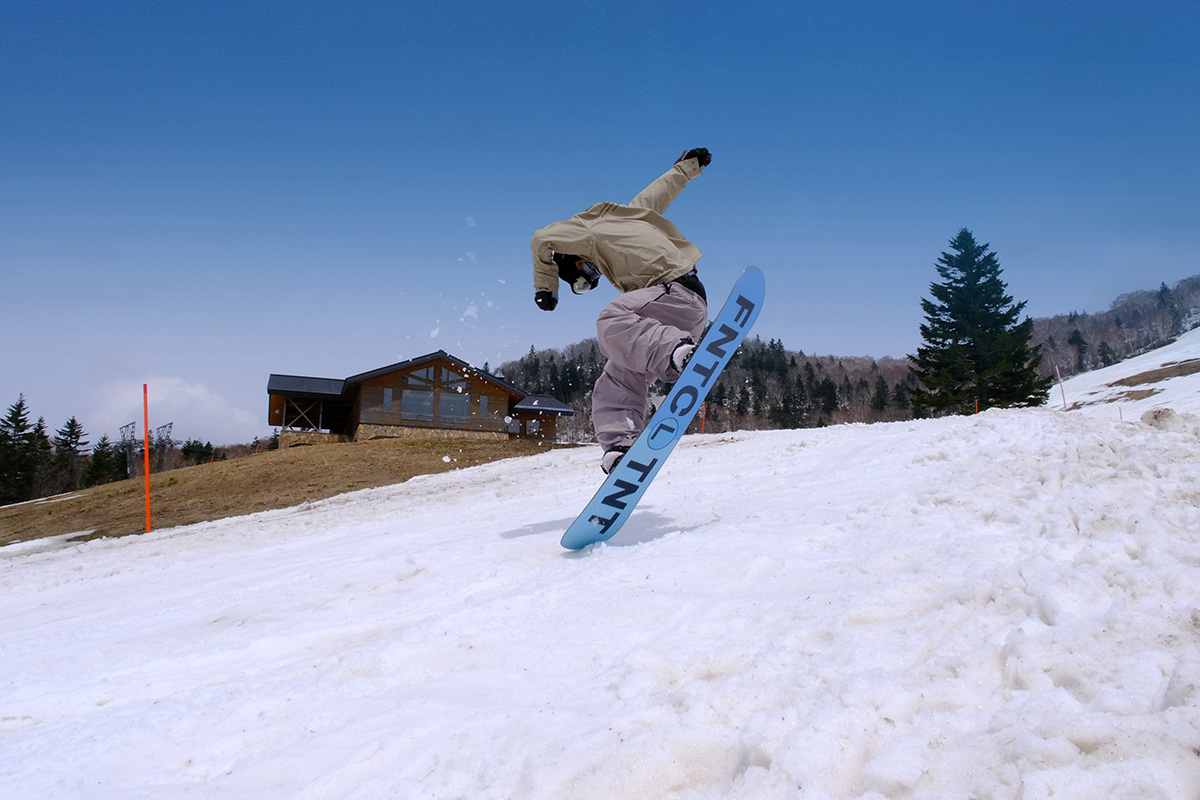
(1004, 605)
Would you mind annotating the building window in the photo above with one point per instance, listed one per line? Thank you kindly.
(454, 407)
(416, 405)
(437, 393)
(454, 398)
(420, 379)
(387, 399)
(453, 382)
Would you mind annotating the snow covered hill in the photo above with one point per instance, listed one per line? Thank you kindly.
(1168, 377)
(998, 606)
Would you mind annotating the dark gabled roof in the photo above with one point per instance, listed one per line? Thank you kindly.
(442, 354)
(298, 386)
(542, 404)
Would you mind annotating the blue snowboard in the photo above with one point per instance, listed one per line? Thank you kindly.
(626, 484)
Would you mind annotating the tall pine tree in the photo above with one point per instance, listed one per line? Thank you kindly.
(45, 482)
(69, 458)
(975, 349)
(18, 454)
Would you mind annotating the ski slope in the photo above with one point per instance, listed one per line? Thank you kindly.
(1162, 378)
(998, 606)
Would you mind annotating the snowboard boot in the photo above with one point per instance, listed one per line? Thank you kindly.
(610, 459)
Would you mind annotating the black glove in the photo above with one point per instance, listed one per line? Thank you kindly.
(546, 301)
(699, 153)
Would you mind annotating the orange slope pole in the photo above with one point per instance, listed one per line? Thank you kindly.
(146, 447)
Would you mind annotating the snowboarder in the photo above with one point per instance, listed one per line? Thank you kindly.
(649, 332)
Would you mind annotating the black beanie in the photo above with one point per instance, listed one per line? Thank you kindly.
(567, 266)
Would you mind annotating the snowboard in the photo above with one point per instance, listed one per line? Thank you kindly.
(613, 504)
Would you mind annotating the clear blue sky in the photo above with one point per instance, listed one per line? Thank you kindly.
(197, 194)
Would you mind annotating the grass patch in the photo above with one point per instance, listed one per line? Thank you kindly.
(262, 482)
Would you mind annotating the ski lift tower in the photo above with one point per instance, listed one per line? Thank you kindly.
(163, 443)
(129, 445)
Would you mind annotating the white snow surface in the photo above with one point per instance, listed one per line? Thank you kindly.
(998, 606)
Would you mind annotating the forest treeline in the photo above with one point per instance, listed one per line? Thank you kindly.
(765, 386)
(35, 463)
(768, 386)
(1135, 323)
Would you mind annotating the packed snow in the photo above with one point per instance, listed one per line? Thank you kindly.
(1004, 605)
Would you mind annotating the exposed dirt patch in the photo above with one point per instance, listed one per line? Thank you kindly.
(277, 479)
(1175, 370)
(1124, 397)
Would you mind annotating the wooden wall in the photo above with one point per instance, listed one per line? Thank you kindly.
(480, 404)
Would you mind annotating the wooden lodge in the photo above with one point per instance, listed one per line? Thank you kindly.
(436, 395)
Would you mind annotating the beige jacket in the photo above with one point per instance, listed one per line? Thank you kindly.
(633, 246)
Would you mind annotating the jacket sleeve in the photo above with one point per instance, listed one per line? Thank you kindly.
(557, 237)
(666, 187)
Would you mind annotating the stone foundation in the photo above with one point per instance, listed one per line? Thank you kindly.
(366, 432)
(295, 438)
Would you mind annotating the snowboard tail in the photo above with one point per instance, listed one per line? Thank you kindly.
(613, 504)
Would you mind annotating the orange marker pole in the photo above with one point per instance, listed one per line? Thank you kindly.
(146, 447)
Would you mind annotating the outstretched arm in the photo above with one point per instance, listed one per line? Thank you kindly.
(659, 194)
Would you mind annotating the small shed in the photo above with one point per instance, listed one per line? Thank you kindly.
(435, 395)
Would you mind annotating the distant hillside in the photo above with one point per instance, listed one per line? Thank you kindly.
(765, 387)
(1135, 323)
(769, 386)
(1166, 377)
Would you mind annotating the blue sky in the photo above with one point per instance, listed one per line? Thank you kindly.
(194, 195)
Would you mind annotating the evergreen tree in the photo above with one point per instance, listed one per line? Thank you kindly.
(845, 392)
(719, 395)
(18, 454)
(1166, 300)
(46, 481)
(881, 395)
(810, 378)
(826, 394)
(975, 349)
(776, 358)
(106, 465)
(68, 455)
(1080, 344)
(196, 452)
(758, 394)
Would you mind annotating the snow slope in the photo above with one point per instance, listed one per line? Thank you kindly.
(1163, 378)
(998, 606)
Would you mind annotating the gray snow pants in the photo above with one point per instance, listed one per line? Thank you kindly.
(638, 332)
